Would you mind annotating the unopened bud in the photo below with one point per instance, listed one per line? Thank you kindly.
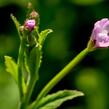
(29, 5)
(21, 29)
(34, 15)
(30, 24)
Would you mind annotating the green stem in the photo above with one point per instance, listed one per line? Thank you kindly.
(20, 64)
(60, 75)
(29, 91)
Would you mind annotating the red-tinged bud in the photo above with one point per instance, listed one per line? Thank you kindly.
(30, 24)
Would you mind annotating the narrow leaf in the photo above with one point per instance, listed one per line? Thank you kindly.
(53, 101)
(17, 24)
(34, 60)
(11, 67)
(43, 35)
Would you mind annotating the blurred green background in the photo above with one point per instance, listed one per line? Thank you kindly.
(72, 22)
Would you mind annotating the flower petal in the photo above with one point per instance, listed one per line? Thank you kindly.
(100, 33)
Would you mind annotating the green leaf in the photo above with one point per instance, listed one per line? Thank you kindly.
(11, 67)
(17, 24)
(34, 60)
(43, 35)
(9, 92)
(53, 101)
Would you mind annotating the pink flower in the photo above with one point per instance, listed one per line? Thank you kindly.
(30, 24)
(100, 33)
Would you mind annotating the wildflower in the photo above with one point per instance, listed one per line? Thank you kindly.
(100, 33)
(30, 24)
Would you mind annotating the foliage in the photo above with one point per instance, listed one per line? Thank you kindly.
(64, 18)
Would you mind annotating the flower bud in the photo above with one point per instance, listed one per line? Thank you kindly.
(30, 24)
(34, 15)
(100, 33)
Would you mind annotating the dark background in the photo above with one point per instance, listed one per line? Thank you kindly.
(72, 22)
